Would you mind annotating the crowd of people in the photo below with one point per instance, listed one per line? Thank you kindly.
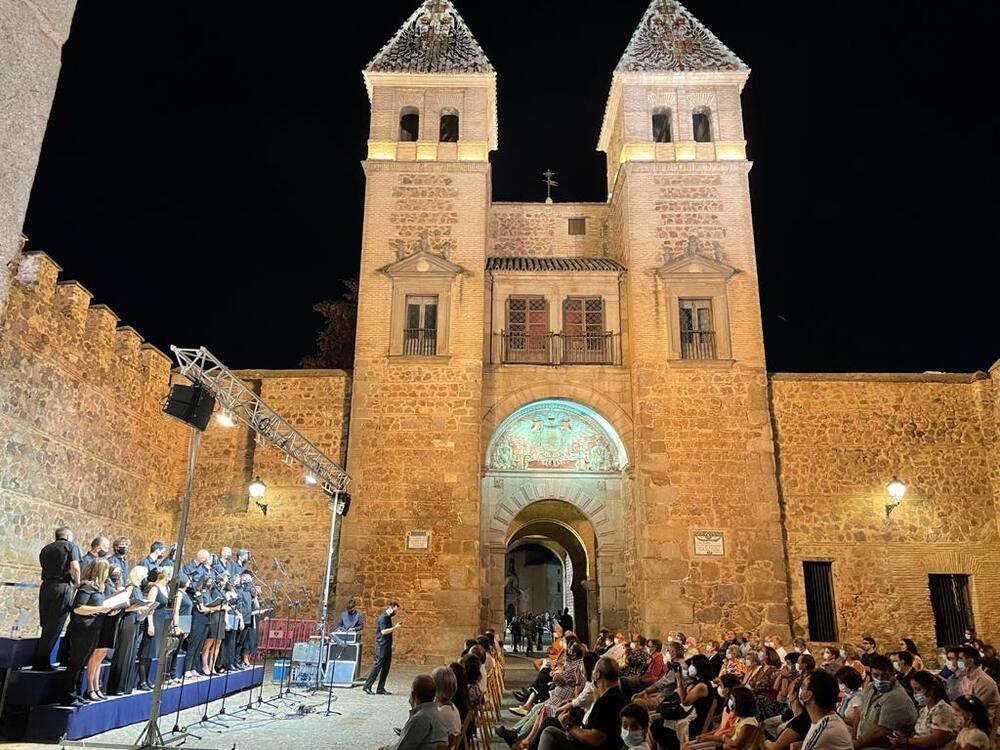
(112, 605)
(528, 632)
(745, 692)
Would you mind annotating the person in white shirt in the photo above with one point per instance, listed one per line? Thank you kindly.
(828, 731)
(777, 645)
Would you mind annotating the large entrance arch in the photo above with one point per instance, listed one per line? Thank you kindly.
(553, 473)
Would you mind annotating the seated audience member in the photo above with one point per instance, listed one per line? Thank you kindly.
(474, 676)
(850, 695)
(651, 697)
(655, 668)
(729, 638)
(991, 664)
(971, 639)
(775, 643)
(461, 699)
(697, 695)
(714, 740)
(885, 708)
(902, 662)
(831, 661)
(786, 676)
(869, 648)
(735, 662)
(907, 645)
(792, 727)
(827, 730)
(762, 677)
(602, 727)
(445, 684)
(852, 658)
(745, 733)
(951, 674)
(936, 723)
(715, 655)
(425, 729)
(750, 642)
(554, 650)
(636, 658)
(800, 645)
(690, 647)
(617, 650)
(563, 688)
(635, 727)
(974, 725)
(976, 682)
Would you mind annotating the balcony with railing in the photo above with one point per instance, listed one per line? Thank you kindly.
(522, 348)
(420, 342)
(698, 345)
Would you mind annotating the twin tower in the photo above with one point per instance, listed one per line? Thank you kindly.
(588, 376)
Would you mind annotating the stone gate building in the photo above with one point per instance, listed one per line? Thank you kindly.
(589, 376)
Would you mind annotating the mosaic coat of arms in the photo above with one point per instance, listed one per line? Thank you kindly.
(553, 439)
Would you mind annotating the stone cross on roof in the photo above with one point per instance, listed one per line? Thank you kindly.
(670, 39)
(434, 39)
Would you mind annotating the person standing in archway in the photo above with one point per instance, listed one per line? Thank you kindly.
(384, 630)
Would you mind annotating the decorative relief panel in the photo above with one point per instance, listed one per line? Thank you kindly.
(553, 437)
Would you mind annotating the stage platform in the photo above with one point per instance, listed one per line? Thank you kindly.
(36, 694)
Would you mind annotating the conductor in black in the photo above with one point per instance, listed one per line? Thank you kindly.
(383, 649)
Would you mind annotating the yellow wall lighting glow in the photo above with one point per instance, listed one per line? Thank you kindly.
(382, 150)
(730, 151)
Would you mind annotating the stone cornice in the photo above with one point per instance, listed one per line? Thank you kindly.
(388, 165)
(879, 377)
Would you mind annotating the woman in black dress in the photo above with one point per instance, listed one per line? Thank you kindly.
(84, 626)
(180, 624)
(215, 605)
(106, 640)
(156, 624)
(199, 629)
(124, 672)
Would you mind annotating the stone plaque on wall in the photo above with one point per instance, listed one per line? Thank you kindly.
(419, 540)
(709, 543)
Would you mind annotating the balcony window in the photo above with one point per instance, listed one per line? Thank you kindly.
(696, 328)
(577, 225)
(420, 334)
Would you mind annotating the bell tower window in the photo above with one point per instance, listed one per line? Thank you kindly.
(449, 126)
(409, 124)
(702, 124)
(661, 125)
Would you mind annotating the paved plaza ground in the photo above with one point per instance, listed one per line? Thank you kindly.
(366, 724)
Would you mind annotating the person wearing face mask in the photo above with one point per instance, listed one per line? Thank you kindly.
(786, 675)
(601, 729)
(971, 639)
(636, 658)
(974, 724)
(617, 651)
(98, 549)
(651, 697)
(827, 730)
(351, 619)
(852, 658)
(850, 683)
(902, 662)
(714, 740)
(735, 662)
(697, 695)
(976, 682)
(762, 682)
(635, 726)
(119, 559)
(885, 707)
(654, 670)
(831, 660)
(937, 724)
(775, 643)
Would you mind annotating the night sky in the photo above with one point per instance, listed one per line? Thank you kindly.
(201, 170)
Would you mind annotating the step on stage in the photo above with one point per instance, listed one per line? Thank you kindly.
(47, 722)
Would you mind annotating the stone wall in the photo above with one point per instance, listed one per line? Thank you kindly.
(542, 229)
(841, 439)
(83, 441)
(31, 39)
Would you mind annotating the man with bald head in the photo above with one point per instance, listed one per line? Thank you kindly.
(199, 567)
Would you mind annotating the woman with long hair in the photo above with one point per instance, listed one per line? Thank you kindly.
(85, 627)
(124, 672)
(106, 639)
(973, 724)
(214, 606)
(937, 724)
(199, 628)
(907, 644)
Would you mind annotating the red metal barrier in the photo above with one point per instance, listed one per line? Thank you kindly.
(278, 634)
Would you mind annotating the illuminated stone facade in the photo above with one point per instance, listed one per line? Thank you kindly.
(588, 375)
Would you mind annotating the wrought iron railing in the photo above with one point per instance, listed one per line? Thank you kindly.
(421, 342)
(698, 345)
(515, 347)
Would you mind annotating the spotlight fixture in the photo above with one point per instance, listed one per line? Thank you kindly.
(896, 490)
(311, 479)
(257, 489)
(225, 418)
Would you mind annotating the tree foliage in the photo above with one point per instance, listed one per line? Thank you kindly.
(335, 339)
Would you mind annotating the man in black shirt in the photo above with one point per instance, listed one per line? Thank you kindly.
(602, 729)
(119, 558)
(60, 563)
(383, 649)
(870, 648)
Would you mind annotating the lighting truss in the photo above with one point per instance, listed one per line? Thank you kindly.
(243, 405)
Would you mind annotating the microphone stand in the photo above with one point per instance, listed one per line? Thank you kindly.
(250, 706)
(288, 662)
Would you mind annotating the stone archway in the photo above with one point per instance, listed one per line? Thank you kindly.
(562, 452)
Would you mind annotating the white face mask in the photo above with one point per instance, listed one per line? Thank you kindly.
(692, 672)
(960, 665)
(722, 692)
(633, 738)
(798, 668)
(843, 654)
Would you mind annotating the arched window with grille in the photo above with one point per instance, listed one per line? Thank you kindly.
(449, 126)
(661, 125)
(701, 120)
(409, 124)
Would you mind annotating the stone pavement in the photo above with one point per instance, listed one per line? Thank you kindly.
(366, 724)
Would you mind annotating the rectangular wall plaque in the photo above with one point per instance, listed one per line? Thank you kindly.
(710, 543)
(418, 540)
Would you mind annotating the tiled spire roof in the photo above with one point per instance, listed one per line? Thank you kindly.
(434, 39)
(670, 39)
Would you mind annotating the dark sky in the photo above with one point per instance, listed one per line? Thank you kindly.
(201, 175)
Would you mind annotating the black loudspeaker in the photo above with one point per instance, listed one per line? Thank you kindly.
(191, 404)
(345, 503)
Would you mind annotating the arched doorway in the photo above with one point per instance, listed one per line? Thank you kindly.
(553, 474)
